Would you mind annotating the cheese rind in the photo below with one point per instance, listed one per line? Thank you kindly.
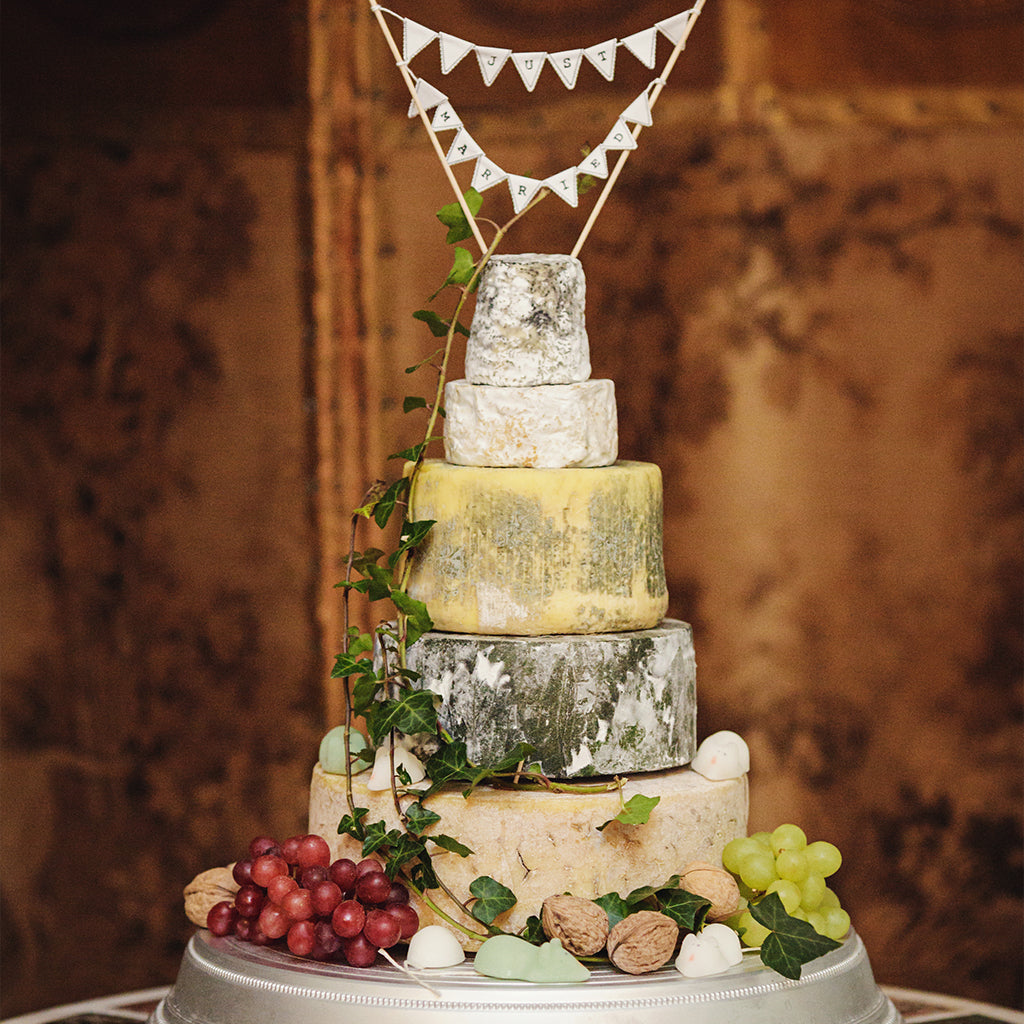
(528, 326)
(543, 843)
(550, 426)
(531, 552)
(606, 704)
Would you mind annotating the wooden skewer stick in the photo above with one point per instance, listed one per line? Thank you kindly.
(624, 155)
(411, 85)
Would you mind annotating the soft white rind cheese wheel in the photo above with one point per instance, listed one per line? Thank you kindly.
(605, 704)
(528, 326)
(531, 552)
(542, 843)
(550, 426)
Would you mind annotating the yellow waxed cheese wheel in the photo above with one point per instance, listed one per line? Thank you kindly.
(542, 843)
(531, 552)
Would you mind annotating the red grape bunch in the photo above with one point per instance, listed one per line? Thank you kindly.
(340, 911)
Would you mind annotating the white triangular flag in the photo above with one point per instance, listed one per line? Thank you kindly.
(620, 137)
(453, 49)
(639, 111)
(567, 64)
(428, 96)
(522, 190)
(602, 56)
(445, 118)
(486, 173)
(529, 66)
(595, 163)
(414, 37)
(491, 60)
(564, 186)
(673, 28)
(643, 45)
(463, 148)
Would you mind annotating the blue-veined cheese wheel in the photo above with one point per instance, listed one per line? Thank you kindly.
(530, 552)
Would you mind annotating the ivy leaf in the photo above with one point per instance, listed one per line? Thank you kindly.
(375, 836)
(411, 713)
(347, 664)
(419, 818)
(492, 898)
(411, 402)
(636, 811)
(418, 620)
(359, 643)
(352, 824)
(533, 931)
(389, 499)
(411, 454)
(451, 845)
(423, 362)
(792, 942)
(448, 764)
(439, 327)
(649, 891)
(404, 848)
(366, 509)
(364, 694)
(614, 906)
(453, 217)
(685, 908)
(463, 267)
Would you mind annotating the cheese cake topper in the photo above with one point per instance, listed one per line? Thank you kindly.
(463, 148)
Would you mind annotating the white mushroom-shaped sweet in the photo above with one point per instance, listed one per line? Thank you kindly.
(711, 951)
(723, 755)
(434, 946)
(380, 777)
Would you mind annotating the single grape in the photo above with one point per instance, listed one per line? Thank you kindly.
(264, 868)
(373, 887)
(343, 873)
(301, 938)
(313, 850)
(823, 858)
(310, 877)
(348, 919)
(274, 922)
(368, 866)
(325, 897)
(327, 941)
(290, 849)
(382, 929)
(399, 894)
(816, 919)
(828, 900)
(249, 901)
(812, 892)
(279, 887)
(222, 918)
(753, 934)
(788, 892)
(837, 922)
(788, 837)
(792, 865)
(258, 937)
(242, 872)
(298, 905)
(407, 918)
(358, 951)
(261, 845)
(764, 838)
(245, 928)
(757, 870)
(735, 850)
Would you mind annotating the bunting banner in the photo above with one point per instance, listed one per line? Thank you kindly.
(486, 173)
(565, 63)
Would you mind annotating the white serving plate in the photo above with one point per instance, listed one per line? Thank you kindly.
(224, 981)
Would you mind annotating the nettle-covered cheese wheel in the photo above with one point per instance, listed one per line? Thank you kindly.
(528, 326)
(530, 552)
(605, 704)
(543, 843)
(550, 426)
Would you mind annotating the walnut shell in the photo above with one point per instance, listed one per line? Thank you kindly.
(580, 924)
(206, 890)
(643, 942)
(713, 884)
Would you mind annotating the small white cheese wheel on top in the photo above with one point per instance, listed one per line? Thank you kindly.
(546, 426)
(528, 327)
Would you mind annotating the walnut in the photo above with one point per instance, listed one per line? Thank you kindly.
(580, 924)
(713, 884)
(643, 942)
(205, 890)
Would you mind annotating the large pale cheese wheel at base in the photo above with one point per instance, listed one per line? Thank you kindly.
(531, 552)
(542, 843)
(601, 704)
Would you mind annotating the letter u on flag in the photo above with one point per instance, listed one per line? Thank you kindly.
(529, 66)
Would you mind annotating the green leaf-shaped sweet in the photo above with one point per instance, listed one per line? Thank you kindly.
(792, 942)
(492, 898)
(636, 811)
(686, 909)
(453, 217)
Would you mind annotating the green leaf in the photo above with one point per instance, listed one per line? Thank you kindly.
(359, 643)
(423, 362)
(413, 535)
(520, 752)
(377, 836)
(492, 898)
(391, 497)
(636, 811)
(438, 327)
(447, 765)
(352, 824)
(614, 906)
(411, 713)
(453, 217)
(463, 267)
(685, 908)
(411, 402)
(533, 931)
(792, 942)
(404, 848)
(411, 454)
(419, 818)
(418, 620)
(364, 694)
(647, 892)
(451, 845)
(346, 664)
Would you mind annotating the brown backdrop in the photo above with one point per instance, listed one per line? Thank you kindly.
(806, 286)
